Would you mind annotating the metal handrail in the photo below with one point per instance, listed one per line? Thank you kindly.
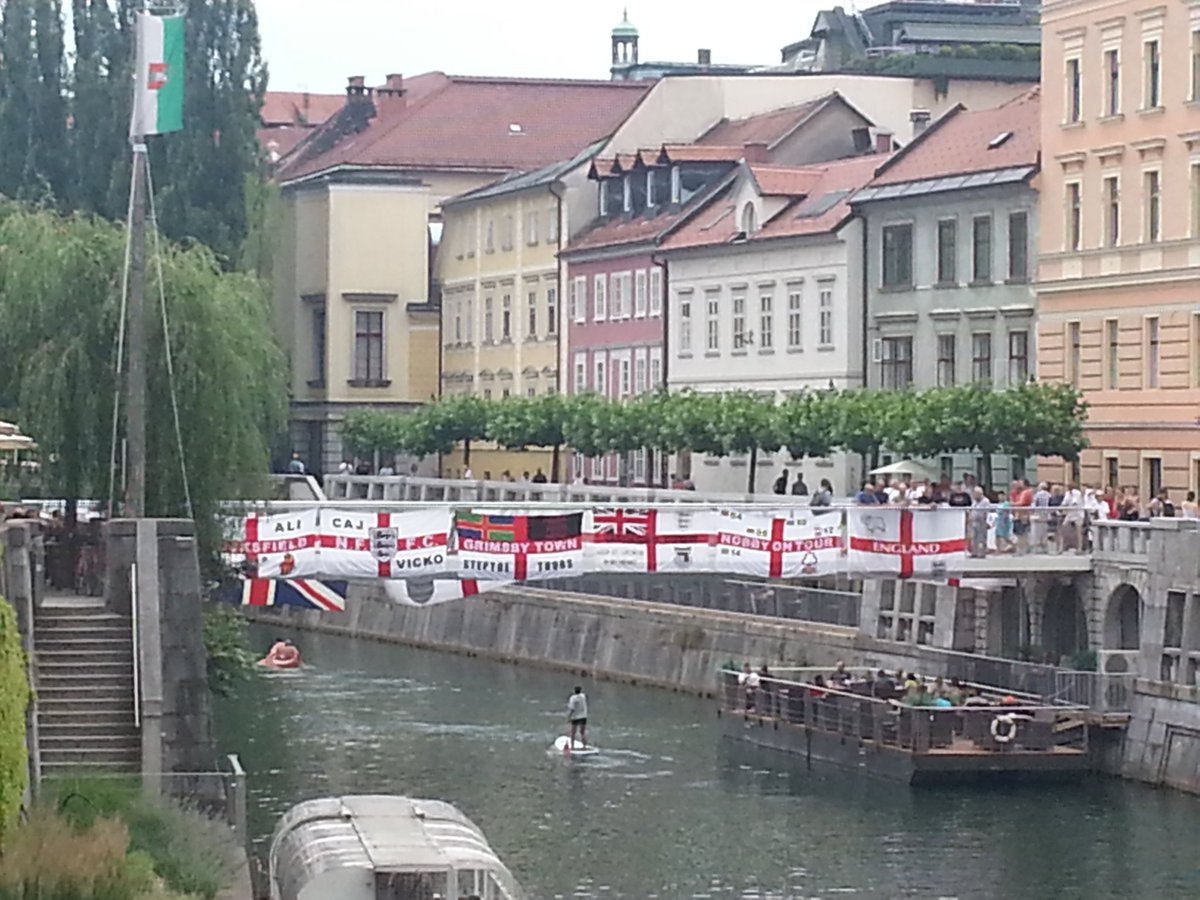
(137, 647)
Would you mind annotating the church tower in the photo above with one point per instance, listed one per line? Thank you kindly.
(624, 48)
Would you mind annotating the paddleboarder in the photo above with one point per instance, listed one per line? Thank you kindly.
(577, 715)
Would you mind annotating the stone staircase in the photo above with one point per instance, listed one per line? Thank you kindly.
(84, 681)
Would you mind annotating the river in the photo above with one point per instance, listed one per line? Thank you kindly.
(670, 810)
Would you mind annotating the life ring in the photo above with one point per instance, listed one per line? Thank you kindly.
(1004, 728)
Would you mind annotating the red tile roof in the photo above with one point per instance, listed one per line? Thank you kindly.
(619, 231)
(494, 124)
(298, 108)
(702, 153)
(768, 128)
(820, 196)
(958, 143)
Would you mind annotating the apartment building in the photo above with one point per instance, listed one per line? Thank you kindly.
(1119, 314)
(951, 220)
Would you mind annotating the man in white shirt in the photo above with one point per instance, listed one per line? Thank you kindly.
(577, 716)
(749, 680)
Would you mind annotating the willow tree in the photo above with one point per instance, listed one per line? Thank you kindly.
(60, 298)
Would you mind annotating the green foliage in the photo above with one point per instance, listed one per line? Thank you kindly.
(227, 647)
(47, 858)
(209, 177)
(190, 851)
(1029, 420)
(60, 285)
(14, 698)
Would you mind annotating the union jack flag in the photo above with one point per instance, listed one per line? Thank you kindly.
(305, 593)
(628, 524)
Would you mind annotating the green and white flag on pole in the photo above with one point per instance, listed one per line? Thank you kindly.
(158, 88)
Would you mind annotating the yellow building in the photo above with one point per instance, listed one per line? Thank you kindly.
(356, 300)
(498, 270)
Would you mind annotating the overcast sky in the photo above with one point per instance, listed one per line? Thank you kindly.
(314, 45)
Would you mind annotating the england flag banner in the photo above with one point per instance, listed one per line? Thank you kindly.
(518, 547)
(281, 546)
(905, 543)
(683, 541)
(781, 544)
(648, 540)
(431, 591)
(367, 544)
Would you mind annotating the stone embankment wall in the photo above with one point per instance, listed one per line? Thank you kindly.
(630, 640)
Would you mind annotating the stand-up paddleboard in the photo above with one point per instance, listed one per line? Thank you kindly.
(567, 747)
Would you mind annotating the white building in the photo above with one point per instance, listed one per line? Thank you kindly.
(765, 295)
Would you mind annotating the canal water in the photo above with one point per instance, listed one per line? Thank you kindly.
(669, 809)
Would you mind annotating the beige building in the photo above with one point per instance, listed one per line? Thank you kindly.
(356, 300)
(1119, 312)
(501, 313)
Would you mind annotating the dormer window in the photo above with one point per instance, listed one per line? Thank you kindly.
(611, 196)
(676, 185)
(749, 219)
(627, 193)
(651, 199)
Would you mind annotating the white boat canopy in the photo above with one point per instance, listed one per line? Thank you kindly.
(382, 847)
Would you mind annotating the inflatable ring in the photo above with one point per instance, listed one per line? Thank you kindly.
(1004, 728)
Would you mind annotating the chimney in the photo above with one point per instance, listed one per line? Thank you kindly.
(883, 142)
(356, 89)
(392, 91)
(920, 120)
(755, 152)
(704, 56)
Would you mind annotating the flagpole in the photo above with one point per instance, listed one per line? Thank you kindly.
(135, 384)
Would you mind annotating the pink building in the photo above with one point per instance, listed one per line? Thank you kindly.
(616, 284)
(1120, 235)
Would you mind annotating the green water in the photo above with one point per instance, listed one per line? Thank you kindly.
(670, 809)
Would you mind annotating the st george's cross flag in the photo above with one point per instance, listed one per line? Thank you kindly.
(648, 540)
(158, 85)
(279, 546)
(370, 544)
(781, 544)
(905, 542)
(431, 591)
(304, 593)
(518, 547)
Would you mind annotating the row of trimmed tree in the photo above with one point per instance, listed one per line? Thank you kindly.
(1030, 420)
